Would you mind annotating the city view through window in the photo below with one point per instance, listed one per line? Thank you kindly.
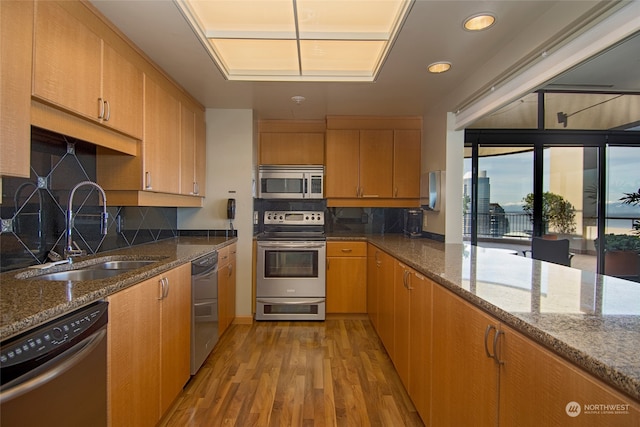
(570, 199)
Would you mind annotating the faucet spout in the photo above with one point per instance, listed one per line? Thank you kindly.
(70, 251)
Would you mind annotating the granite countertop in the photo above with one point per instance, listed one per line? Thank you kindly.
(26, 302)
(591, 320)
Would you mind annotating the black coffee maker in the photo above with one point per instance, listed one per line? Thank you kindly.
(413, 223)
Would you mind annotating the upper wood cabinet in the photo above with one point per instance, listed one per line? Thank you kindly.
(291, 142)
(373, 161)
(164, 171)
(406, 163)
(192, 152)
(16, 39)
(76, 70)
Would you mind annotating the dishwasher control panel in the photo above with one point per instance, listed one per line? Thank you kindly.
(59, 333)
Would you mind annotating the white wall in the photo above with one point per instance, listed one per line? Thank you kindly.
(230, 172)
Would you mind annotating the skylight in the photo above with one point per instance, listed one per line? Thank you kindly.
(297, 40)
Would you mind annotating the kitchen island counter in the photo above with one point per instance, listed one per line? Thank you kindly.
(26, 302)
(592, 321)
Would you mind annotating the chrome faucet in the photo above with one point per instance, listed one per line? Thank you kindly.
(70, 251)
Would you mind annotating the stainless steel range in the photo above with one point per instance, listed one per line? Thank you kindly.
(291, 264)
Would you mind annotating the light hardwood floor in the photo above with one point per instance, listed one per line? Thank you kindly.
(332, 373)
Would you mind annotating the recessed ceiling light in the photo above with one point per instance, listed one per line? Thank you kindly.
(478, 22)
(439, 67)
(298, 99)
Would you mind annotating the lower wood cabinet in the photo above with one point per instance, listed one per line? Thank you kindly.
(148, 347)
(537, 388)
(346, 277)
(226, 287)
(464, 380)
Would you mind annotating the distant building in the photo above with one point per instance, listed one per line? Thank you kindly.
(484, 195)
(498, 220)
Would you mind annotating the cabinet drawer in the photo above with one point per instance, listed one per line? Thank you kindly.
(346, 249)
(223, 256)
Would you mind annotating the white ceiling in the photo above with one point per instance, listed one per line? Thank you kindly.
(432, 32)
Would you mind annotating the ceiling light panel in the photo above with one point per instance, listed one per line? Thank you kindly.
(297, 40)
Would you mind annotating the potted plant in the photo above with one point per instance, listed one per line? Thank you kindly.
(622, 251)
(558, 214)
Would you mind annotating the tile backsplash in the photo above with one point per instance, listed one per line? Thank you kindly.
(33, 210)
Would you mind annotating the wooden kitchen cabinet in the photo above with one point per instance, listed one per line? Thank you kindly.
(386, 301)
(374, 264)
(536, 386)
(401, 328)
(161, 132)
(16, 39)
(406, 163)
(464, 380)
(372, 162)
(346, 277)
(148, 347)
(76, 70)
(192, 151)
(291, 142)
(226, 287)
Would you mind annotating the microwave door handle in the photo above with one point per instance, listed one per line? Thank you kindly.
(305, 185)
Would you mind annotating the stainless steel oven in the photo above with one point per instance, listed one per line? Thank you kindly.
(291, 267)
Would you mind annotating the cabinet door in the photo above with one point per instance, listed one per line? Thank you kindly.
(16, 39)
(376, 163)
(406, 163)
(293, 148)
(175, 334)
(122, 92)
(373, 277)
(464, 379)
(226, 287)
(187, 150)
(401, 304)
(161, 148)
(346, 283)
(201, 154)
(385, 301)
(342, 157)
(67, 61)
(536, 386)
(420, 308)
(133, 362)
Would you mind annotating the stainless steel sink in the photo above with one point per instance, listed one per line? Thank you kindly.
(79, 275)
(123, 264)
(100, 270)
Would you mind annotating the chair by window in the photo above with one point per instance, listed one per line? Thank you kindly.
(556, 251)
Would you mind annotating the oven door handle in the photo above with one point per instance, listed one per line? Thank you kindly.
(297, 302)
(291, 246)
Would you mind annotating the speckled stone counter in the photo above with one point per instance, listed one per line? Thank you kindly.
(26, 302)
(592, 321)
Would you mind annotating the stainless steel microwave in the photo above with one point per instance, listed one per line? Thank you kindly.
(291, 182)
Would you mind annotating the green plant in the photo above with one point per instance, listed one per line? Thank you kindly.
(557, 213)
(620, 242)
(634, 200)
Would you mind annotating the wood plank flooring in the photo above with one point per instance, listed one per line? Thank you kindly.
(331, 373)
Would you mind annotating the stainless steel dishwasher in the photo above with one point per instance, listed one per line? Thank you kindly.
(204, 312)
(56, 374)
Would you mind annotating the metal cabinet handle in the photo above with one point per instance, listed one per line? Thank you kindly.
(409, 287)
(147, 178)
(395, 192)
(161, 283)
(166, 289)
(345, 250)
(495, 347)
(100, 108)
(486, 341)
(230, 269)
(108, 113)
(328, 263)
(196, 188)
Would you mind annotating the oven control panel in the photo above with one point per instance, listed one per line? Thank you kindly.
(294, 217)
